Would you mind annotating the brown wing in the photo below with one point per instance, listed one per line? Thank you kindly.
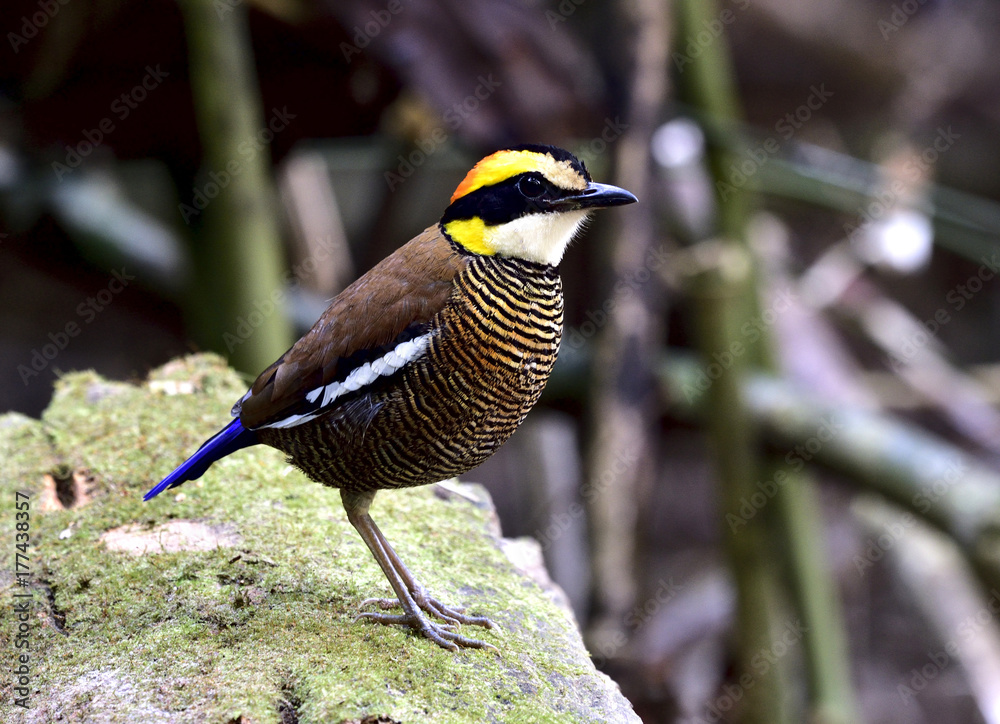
(406, 288)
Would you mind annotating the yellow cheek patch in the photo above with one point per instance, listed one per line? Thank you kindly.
(471, 234)
(502, 165)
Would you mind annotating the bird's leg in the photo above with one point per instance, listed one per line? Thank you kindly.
(453, 615)
(413, 597)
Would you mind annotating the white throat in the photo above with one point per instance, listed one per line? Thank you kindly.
(541, 238)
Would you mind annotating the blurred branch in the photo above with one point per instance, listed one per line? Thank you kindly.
(964, 223)
(110, 227)
(941, 585)
(623, 419)
(960, 398)
(917, 471)
(892, 392)
(243, 269)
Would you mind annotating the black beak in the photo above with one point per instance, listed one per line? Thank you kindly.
(595, 196)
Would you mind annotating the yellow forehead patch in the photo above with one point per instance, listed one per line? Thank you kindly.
(503, 164)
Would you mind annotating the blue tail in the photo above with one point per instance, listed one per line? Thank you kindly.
(231, 438)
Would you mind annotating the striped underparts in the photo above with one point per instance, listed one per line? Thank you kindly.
(444, 400)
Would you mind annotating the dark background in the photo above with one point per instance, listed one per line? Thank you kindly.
(897, 101)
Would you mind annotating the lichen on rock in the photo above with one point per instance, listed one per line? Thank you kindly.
(233, 599)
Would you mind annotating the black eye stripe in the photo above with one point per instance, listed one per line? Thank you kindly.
(506, 201)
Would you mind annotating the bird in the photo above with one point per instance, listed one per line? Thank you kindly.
(423, 367)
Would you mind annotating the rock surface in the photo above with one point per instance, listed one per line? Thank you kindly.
(233, 599)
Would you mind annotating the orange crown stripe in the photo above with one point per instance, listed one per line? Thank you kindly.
(498, 167)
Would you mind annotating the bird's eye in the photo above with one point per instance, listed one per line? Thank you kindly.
(531, 187)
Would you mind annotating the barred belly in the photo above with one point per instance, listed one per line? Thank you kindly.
(492, 350)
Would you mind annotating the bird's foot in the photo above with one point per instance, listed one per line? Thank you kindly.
(410, 595)
(443, 634)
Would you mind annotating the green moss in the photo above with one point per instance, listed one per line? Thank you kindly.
(243, 630)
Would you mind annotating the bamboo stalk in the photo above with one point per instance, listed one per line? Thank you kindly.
(732, 434)
(240, 275)
(709, 81)
(816, 596)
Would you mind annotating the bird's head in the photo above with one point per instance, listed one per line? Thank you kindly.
(526, 202)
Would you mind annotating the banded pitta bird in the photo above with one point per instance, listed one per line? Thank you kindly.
(423, 367)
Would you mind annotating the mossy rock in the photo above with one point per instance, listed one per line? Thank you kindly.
(233, 599)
